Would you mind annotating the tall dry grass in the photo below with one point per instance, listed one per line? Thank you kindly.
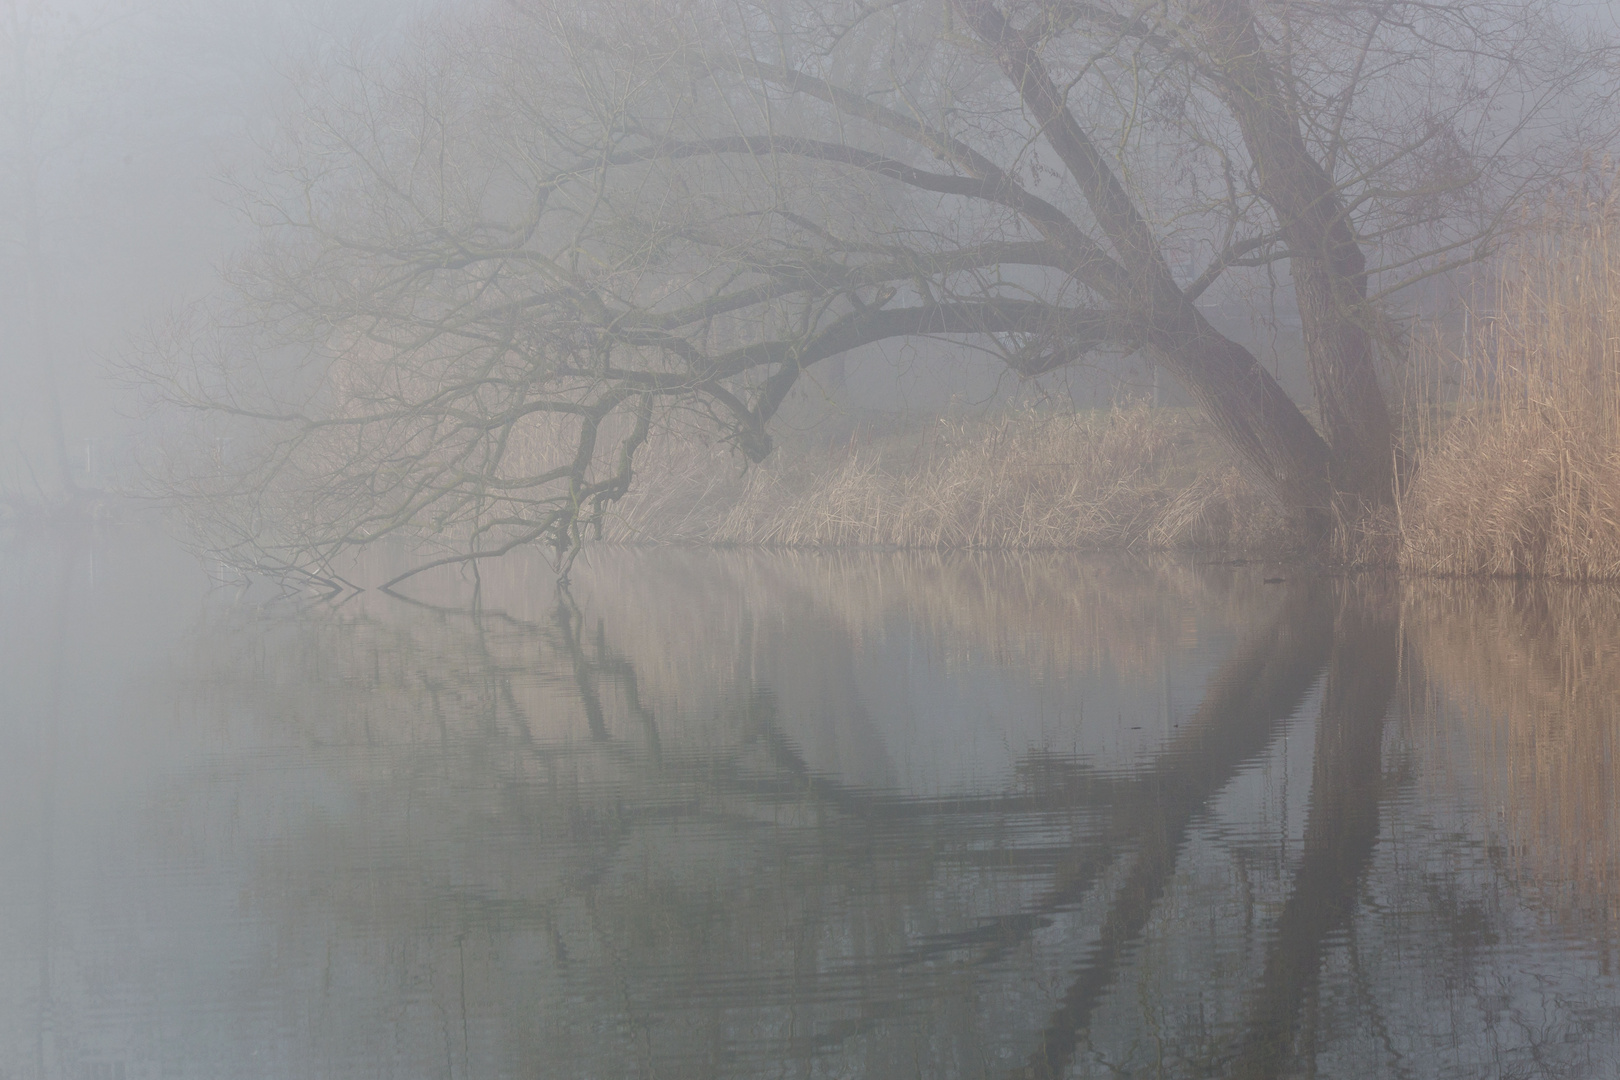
(1131, 477)
(1523, 478)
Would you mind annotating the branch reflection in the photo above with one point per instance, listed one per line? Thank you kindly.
(711, 814)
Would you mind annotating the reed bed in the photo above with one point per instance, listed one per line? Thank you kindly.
(1132, 477)
(1523, 479)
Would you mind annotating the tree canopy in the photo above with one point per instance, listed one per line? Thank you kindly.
(494, 265)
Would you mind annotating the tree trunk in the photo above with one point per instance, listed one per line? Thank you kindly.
(1276, 443)
(1326, 262)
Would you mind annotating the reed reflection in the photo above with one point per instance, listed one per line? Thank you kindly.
(1522, 683)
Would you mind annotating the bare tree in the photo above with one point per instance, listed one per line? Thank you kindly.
(494, 268)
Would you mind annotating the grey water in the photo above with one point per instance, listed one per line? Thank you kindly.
(744, 814)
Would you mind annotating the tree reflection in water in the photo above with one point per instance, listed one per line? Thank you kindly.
(740, 815)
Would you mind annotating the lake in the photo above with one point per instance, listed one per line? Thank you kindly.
(752, 814)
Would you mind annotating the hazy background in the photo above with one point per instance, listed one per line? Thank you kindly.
(131, 115)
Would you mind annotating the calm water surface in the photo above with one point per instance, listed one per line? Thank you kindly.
(768, 815)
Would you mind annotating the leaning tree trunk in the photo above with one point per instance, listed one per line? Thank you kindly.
(1326, 261)
(1275, 442)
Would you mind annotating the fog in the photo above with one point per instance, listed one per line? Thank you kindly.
(123, 127)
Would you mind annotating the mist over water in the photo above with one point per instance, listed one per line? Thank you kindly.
(741, 814)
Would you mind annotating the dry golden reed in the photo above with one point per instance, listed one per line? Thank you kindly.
(1132, 477)
(1524, 479)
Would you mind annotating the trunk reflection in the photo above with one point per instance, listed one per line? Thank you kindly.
(726, 815)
